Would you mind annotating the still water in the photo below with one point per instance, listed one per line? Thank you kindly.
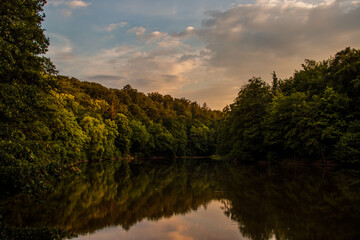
(207, 222)
(199, 199)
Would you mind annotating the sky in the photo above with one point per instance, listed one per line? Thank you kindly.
(203, 50)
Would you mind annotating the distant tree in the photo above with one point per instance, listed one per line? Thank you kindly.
(101, 137)
(161, 140)
(178, 131)
(275, 83)
(122, 141)
(199, 138)
(139, 137)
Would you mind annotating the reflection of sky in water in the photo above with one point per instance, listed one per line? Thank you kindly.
(205, 223)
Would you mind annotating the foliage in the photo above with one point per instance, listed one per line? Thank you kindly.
(48, 123)
(48, 120)
(43, 233)
(22, 42)
(150, 124)
(242, 134)
(312, 115)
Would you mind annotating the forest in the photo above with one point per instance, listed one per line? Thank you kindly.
(49, 122)
(311, 116)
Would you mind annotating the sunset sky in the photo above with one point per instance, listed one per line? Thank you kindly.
(204, 50)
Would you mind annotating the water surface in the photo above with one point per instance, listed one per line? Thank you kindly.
(199, 199)
(207, 222)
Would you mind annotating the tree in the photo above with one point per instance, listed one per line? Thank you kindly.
(348, 148)
(122, 141)
(311, 77)
(178, 131)
(199, 138)
(308, 125)
(343, 75)
(275, 83)
(139, 137)
(243, 132)
(22, 42)
(101, 137)
(162, 142)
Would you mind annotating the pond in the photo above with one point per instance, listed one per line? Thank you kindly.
(198, 199)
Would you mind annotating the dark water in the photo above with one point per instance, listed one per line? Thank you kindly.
(199, 199)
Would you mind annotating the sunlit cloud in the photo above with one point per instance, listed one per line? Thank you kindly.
(114, 26)
(161, 39)
(139, 31)
(70, 3)
(160, 69)
(61, 51)
(231, 47)
(255, 39)
(67, 6)
(189, 31)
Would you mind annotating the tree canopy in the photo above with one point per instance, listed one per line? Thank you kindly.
(311, 115)
(23, 42)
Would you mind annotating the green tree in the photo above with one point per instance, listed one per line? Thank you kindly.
(66, 132)
(178, 131)
(139, 137)
(348, 148)
(199, 138)
(243, 134)
(22, 42)
(275, 83)
(101, 137)
(109, 143)
(161, 140)
(122, 141)
(343, 75)
(307, 125)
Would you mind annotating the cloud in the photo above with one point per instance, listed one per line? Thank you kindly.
(255, 39)
(71, 3)
(158, 70)
(232, 46)
(139, 31)
(154, 69)
(67, 6)
(189, 31)
(141, 34)
(113, 26)
(105, 77)
(160, 39)
(59, 43)
(107, 80)
(61, 52)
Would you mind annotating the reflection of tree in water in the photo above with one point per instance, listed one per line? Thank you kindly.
(288, 204)
(292, 204)
(117, 193)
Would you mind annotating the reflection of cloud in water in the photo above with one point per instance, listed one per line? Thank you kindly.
(204, 223)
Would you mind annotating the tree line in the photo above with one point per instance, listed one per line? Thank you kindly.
(313, 115)
(48, 122)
